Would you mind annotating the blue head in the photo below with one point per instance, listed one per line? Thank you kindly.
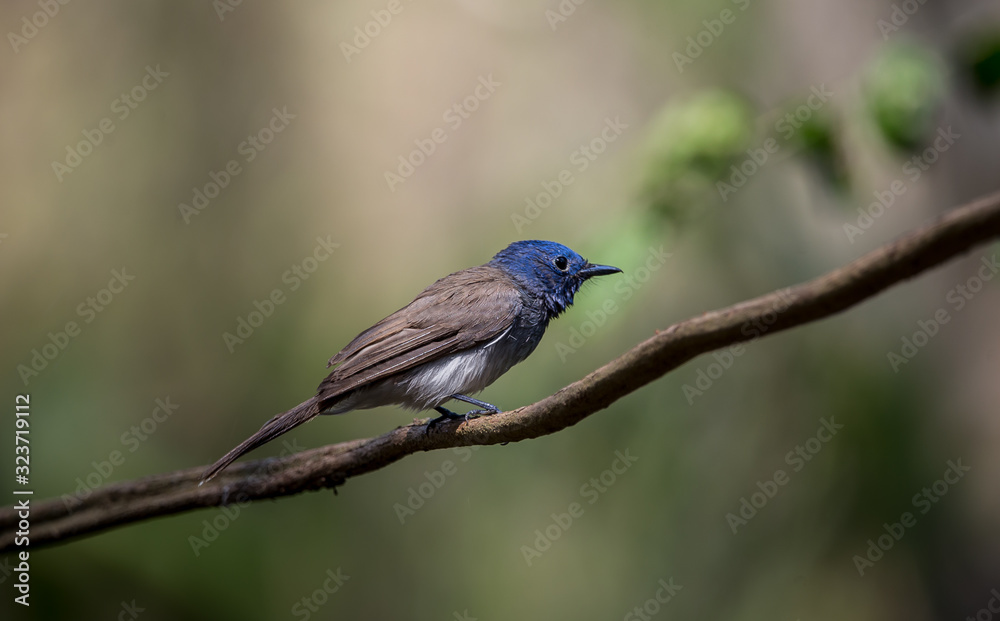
(549, 271)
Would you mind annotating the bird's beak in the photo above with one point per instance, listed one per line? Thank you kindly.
(589, 271)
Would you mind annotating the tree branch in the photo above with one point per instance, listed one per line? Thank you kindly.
(56, 520)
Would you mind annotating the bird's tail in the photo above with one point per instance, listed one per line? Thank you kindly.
(286, 421)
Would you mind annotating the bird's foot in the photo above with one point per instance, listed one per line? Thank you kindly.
(446, 415)
(486, 408)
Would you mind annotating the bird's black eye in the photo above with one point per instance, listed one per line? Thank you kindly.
(561, 263)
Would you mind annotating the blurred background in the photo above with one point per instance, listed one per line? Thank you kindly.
(168, 165)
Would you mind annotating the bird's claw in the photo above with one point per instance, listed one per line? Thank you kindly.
(448, 415)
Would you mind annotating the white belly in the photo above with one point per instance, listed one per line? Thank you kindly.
(433, 383)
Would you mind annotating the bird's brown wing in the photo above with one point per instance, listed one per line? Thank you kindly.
(458, 312)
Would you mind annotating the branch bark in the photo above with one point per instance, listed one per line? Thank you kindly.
(956, 232)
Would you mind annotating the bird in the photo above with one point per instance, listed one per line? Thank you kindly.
(453, 340)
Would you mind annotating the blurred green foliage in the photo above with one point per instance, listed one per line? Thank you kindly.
(981, 58)
(821, 139)
(690, 144)
(903, 90)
